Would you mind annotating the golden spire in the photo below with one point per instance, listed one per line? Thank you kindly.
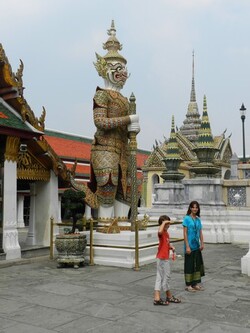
(192, 122)
(193, 95)
(173, 151)
(205, 138)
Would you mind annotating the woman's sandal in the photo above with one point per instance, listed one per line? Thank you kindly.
(160, 302)
(190, 289)
(173, 299)
(198, 288)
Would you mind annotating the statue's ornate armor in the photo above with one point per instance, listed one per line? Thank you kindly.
(109, 152)
(112, 160)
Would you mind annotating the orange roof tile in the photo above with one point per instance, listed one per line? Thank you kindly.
(79, 168)
(141, 158)
(77, 147)
(69, 148)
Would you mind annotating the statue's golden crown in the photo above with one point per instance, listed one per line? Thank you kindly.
(112, 45)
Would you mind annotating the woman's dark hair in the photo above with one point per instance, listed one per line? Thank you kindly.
(163, 218)
(191, 205)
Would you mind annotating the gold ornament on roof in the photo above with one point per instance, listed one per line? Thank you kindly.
(19, 78)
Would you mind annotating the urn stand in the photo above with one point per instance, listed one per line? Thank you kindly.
(70, 248)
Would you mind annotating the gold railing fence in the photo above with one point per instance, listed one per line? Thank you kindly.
(90, 225)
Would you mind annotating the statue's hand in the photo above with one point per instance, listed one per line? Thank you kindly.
(134, 127)
(134, 118)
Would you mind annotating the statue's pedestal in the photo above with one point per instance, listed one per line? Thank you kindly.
(119, 249)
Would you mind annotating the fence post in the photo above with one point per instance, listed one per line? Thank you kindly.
(136, 268)
(91, 250)
(51, 250)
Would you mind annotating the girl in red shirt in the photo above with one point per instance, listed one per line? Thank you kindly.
(163, 264)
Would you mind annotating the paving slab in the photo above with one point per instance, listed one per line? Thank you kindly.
(37, 297)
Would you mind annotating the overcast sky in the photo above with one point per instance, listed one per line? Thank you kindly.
(57, 41)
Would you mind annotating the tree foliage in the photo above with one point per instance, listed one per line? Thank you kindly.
(73, 205)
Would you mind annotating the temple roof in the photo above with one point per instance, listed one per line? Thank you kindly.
(12, 89)
(155, 160)
(11, 120)
(69, 146)
(18, 120)
(196, 133)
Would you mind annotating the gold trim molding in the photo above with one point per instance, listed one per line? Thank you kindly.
(12, 148)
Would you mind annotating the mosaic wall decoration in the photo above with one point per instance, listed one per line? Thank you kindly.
(236, 196)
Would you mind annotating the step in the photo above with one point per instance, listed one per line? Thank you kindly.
(2, 256)
(35, 251)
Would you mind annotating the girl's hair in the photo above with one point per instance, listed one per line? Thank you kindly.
(191, 205)
(163, 218)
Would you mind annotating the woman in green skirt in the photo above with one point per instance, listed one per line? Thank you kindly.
(193, 245)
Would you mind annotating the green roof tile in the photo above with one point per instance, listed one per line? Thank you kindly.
(9, 119)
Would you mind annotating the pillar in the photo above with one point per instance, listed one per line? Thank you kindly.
(59, 208)
(20, 205)
(30, 240)
(234, 166)
(10, 234)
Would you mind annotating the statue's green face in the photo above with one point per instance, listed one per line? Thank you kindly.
(117, 73)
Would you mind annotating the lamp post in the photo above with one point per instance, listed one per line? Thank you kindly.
(243, 117)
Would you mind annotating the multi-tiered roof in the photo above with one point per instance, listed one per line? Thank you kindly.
(194, 135)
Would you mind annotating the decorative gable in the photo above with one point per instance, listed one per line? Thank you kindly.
(29, 167)
(155, 159)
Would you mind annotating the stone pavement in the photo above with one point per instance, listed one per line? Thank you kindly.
(37, 297)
